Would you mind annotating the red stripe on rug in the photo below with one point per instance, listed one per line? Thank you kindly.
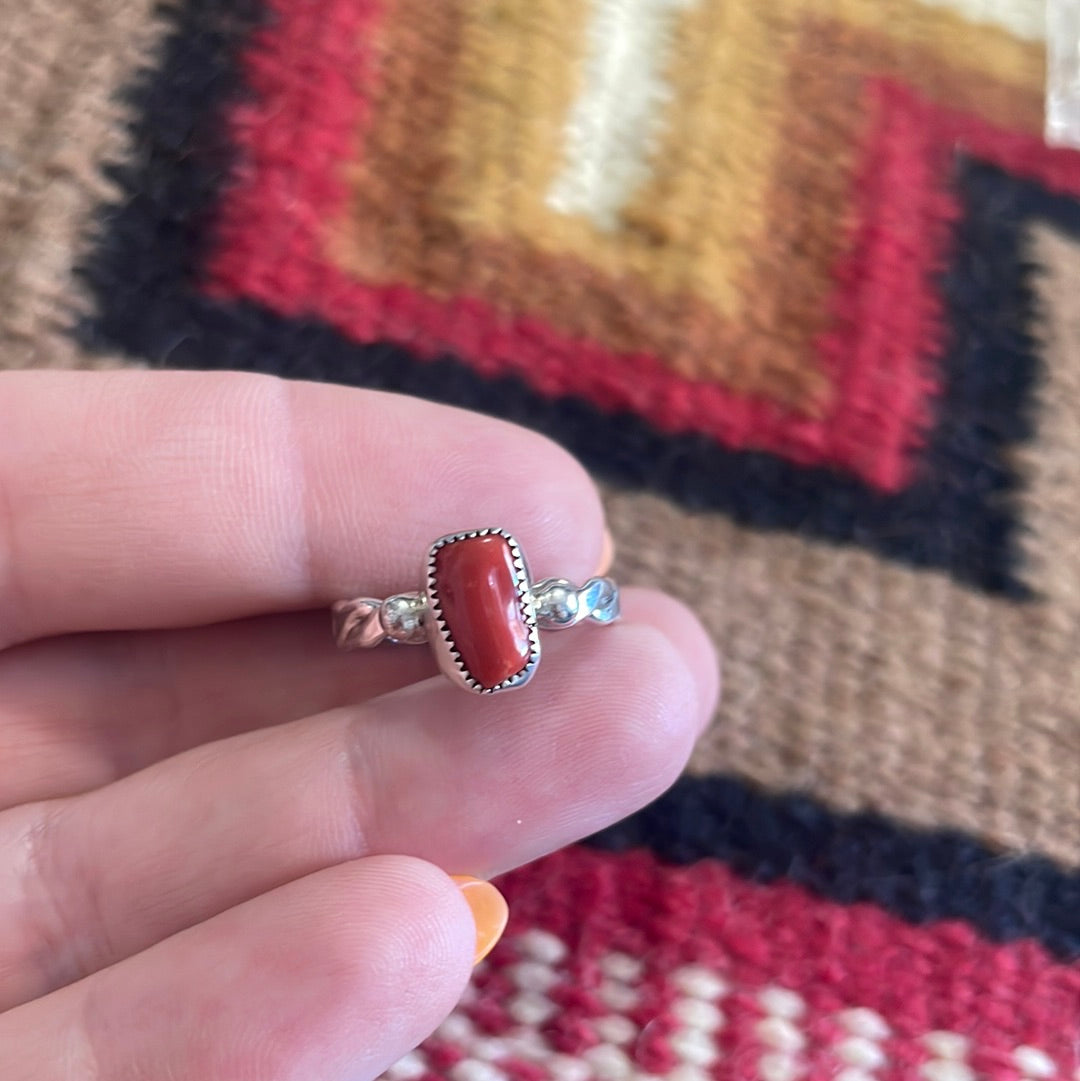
(634, 967)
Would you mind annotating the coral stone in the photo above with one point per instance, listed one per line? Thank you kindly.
(478, 598)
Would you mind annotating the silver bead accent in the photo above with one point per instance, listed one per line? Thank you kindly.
(402, 618)
(556, 603)
(561, 604)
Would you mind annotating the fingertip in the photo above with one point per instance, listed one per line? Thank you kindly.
(607, 554)
(333, 975)
(403, 930)
(432, 925)
(688, 637)
(407, 942)
(562, 514)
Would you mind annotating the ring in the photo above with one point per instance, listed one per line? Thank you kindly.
(479, 610)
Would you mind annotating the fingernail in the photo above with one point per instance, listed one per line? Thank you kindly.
(607, 554)
(489, 911)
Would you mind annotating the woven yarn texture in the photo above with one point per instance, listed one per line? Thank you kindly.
(799, 282)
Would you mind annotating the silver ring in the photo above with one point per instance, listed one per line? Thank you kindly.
(479, 610)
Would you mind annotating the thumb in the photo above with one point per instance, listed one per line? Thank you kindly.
(334, 976)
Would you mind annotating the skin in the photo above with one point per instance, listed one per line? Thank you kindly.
(225, 846)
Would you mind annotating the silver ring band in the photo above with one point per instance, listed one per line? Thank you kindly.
(478, 609)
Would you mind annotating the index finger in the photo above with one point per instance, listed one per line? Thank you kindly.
(137, 499)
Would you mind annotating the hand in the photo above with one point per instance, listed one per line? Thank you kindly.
(224, 846)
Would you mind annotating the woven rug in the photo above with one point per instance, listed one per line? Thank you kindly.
(799, 281)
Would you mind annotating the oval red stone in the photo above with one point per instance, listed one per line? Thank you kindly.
(478, 598)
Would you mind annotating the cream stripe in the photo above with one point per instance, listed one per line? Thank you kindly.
(1063, 73)
(612, 128)
(1024, 18)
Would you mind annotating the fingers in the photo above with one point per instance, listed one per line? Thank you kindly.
(476, 785)
(332, 977)
(80, 711)
(135, 499)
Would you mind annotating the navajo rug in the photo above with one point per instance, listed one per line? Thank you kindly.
(799, 281)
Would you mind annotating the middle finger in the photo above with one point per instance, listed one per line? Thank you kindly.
(475, 785)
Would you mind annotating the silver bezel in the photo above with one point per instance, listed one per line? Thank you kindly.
(442, 641)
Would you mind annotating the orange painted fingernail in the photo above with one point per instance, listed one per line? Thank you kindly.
(489, 911)
(607, 554)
